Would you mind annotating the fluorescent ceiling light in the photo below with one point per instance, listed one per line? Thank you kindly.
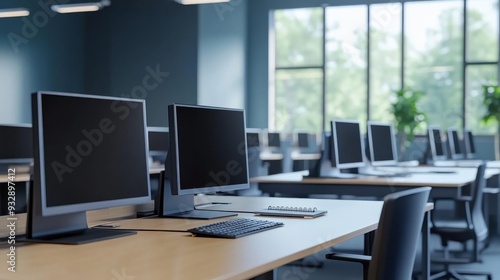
(191, 2)
(17, 12)
(80, 7)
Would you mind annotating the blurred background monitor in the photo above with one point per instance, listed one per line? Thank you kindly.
(454, 144)
(435, 143)
(273, 140)
(301, 140)
(16, 146)
(381, 144)
(469, 145)
(158, 141)
(253, 137)
(347, 148)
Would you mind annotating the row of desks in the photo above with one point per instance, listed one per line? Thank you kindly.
(163, 250)
(445, 182)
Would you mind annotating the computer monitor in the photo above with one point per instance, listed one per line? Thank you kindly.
(301, 140)
(470, 147)
(382, 144)
(158, 142)
(208, 154)
(90, 153)
(253, 137)
(273, 140)
(454, 144)
(322, 168)
(16, 146)
(347, 148)
(340, 149)
(435, 143)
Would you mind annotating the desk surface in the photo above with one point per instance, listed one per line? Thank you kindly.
(177, 255)
(493, 164)
(19, 177)
(422, 176)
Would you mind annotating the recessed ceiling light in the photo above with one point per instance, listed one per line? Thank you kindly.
(17, 12)
(192, 2)
(80, 7)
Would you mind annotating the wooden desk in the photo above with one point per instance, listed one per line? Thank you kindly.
(443, 185)
(493, 164)
(177, 255)
(19, 177)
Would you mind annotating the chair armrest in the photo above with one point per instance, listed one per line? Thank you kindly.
(452, 199)
(464, 202)
(349, 257)
(464, 198)
(437, 199)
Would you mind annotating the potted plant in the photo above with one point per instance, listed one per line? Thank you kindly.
(407, 116)
(491, 101)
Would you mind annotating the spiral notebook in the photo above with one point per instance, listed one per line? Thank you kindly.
(301, 212)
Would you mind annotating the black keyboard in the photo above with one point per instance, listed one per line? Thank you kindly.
(234, 228)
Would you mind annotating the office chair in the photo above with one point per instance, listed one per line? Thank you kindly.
(469, 224)
(395, 241)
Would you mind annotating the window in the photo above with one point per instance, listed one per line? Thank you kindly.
(434, 60)
(346, 63)
(385, 57)
(298, 77)
(372, 50)
(298, 99)
(476, 76)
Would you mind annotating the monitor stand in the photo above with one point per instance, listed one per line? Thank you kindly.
(62, 229)
(181, 206)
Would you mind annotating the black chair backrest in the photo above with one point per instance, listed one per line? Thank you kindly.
(395, 242)
(480, 226)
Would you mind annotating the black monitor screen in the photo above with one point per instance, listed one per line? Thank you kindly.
(92, 152)
(438, 143)
(470, 146)
(210, 149)
(347, 144)
(454, 142)
(382, 144)
(253, 139)
(158, 139)
(273, 140)
(16, 143)
(435, 144)
(303, 140)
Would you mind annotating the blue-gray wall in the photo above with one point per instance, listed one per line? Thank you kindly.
(144, 49)
(222, 54)
(140, 49)
(43, 51)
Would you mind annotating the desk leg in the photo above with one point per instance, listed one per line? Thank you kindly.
(425, 247)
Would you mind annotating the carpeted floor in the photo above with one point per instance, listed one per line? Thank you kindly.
(316, 268)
